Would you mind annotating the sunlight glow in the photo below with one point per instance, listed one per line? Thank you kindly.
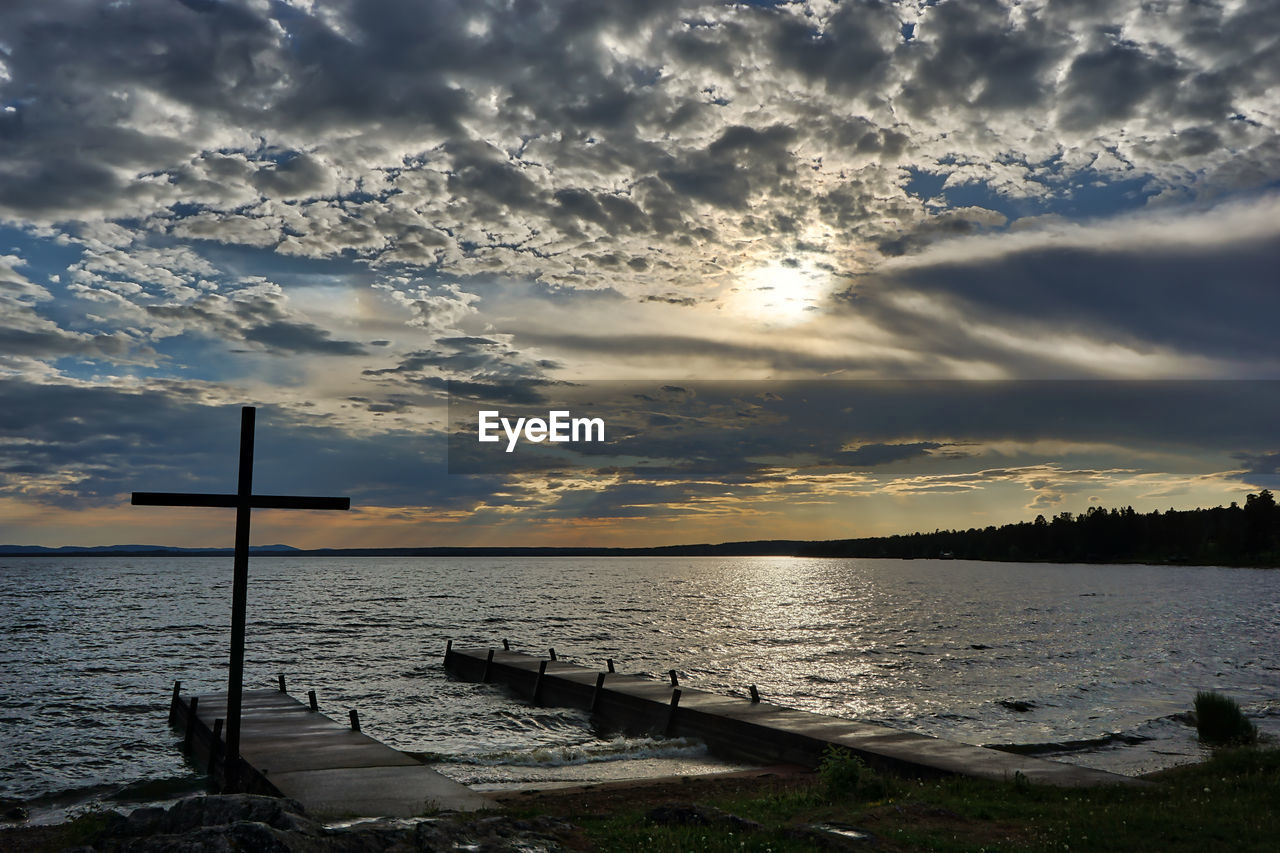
(779, 294)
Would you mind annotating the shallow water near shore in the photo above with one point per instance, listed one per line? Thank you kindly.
(1099, 659)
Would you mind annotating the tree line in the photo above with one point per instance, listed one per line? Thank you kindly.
(1236, 535)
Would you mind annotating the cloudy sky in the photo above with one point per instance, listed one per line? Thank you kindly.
(331, 209)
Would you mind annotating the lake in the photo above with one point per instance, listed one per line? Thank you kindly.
(1107, 654)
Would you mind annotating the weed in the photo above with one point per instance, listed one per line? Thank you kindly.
(1219, 721)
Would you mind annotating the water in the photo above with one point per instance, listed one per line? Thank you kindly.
(92, 645)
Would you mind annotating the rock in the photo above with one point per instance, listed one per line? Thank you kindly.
(1017, 705)
(14, 814)
(690, 814)
(230, 824)
(832, 836)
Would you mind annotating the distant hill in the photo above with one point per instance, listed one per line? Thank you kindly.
(135, 550)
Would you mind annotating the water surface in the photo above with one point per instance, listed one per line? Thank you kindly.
(92, 645)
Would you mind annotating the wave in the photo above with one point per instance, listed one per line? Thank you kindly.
(1110, 739)
(617, 749)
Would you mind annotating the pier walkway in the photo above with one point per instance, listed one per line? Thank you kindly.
(332, 769)
(752, 729)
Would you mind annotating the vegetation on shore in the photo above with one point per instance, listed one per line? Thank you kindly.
(1219, 721)
(1226, 803)
(1222, 536)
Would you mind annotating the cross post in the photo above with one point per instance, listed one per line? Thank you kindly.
(243, 501)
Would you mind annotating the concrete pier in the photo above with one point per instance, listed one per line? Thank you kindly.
(752, 730)
(331, 768)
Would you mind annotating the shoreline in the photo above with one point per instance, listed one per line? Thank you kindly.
(1222, 801)
(696, 551)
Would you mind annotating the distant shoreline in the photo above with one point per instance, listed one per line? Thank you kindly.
(1233, 536)
(769, 548)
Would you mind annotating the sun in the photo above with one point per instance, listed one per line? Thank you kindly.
(779, 294)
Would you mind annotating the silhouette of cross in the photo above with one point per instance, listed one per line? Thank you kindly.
(243, 501)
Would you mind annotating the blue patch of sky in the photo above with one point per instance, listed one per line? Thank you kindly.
(183, 357)
(43, 256)
(237, 261)
(1085, 194)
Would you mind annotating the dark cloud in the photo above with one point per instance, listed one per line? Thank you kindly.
(299, 337)
(1261, 470)
(1214, 300)
(1107, 85)
(880, 454)
(78, 446)
(744, 427)
(257, 315)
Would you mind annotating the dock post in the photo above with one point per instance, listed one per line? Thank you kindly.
(448, 650)
(537, 685)
(506, 646)
(671, 712)
(595, 696)
(216, 746)
(675, 682)
(192, 705)
(609, 661)
(355, 720)
(311, 699)
(553, 653)
(282, 688)
(488, 663)
(175, 702)
(755, 694)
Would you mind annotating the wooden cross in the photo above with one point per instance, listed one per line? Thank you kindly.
(243, 501)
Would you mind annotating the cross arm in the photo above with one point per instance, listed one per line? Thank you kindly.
(255, 501)
(181, 499)
(297, 502)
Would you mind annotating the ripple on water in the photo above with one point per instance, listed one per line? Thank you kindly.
(93, 645)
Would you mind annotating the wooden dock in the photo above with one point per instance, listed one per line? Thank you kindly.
(331, 768)
(750, 729)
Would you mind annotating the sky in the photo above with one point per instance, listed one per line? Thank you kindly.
(960, 263)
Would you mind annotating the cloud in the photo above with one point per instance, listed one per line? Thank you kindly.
(513, 196)
(76, 446)
(254, 314)
(26, 334)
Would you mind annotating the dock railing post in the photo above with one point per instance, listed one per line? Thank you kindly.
(537, 685)
(553, 653)
(216, 746)
(355, 720)
(506, 646)
(311, 700)
(609, 663)
(192, 706)
(448, 650)
(675, 682)
(488, 664)
(175, 702)
(282, 687)
(595, 695)
(671, 712)
(755, 694)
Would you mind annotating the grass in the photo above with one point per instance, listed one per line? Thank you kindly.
(1219, 721)
(1226, 803)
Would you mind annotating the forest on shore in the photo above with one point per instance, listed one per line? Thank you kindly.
(1236, 535)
